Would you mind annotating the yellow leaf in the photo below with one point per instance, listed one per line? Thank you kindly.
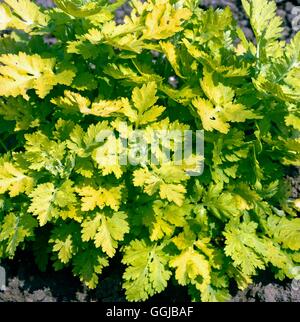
(110, 232)
(14, 180)
(42, 203)
(64, 249)
(163, 21)
(219, 110)
(5, 16)
(106, 108)
(30, 13)
(217, 93)
(210, 116)
(170, 51)
(189, 266)
(107, 157)
(19, 73)
(173, 192)
(72, 102)
(144, 97)
(90, 227)
(91, 198)
(72, 212)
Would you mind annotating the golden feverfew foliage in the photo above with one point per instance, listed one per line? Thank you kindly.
(58, 198)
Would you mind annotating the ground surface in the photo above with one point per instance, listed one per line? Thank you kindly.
(26, 284)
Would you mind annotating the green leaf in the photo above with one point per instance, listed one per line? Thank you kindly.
(106, 231)
(63, 238)
(110, 231)
(190, 265)
(164, 21)
(88, 264)
(14, 180)
(80, 8)
(244, 247)
(47, 200)
(263, 19)
(30, 72)
(15, 229)
(25, 15)
(102, 197)
(285, 231)
(147, 272)
(220, 109)
(165, 180)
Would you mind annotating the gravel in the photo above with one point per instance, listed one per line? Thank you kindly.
(288, 10)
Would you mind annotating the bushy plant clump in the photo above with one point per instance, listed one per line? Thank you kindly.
(69, 74)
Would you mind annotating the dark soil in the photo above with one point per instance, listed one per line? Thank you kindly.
(25, 283)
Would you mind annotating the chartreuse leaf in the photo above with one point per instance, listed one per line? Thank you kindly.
(293, 120)
(20, 111)
(107, 156)
(280, 78)
(220, 109)
(79, 8)
(99, 142)
(63, 239)
(105, 108)
(250, 252)
(42, 200)
(44, 153)
(30, 72)
(14, 180)
(165, 217)
(48, 200)
(142, 111)
(72, 102)
(64, 249)
(170, 51)
(166, 180)
(147, 272)
(14, 229)
(83, 143)
(106, 231)
(91, 198)
(144, 99)
(22, 14)
(285, 231)
(223, 203)
(164, 20)
(244, 247)
(5, 16)
(263, 19)
(190, 266)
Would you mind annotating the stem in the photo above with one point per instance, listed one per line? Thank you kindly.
(3, 146)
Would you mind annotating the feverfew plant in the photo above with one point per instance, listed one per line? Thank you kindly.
(70, 74)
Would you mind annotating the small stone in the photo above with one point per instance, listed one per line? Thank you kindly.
(281, 13)
(289, 6)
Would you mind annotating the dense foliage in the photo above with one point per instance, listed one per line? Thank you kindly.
(67, 74)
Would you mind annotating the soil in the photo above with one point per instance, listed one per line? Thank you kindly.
(25, 283)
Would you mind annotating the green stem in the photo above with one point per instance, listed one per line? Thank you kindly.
(3, 146)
